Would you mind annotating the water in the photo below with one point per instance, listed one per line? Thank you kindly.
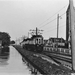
(13, 65)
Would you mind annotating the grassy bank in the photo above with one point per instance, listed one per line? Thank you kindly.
(46, 67)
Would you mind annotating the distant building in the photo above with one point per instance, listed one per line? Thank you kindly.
(45, 41)
(54, 42)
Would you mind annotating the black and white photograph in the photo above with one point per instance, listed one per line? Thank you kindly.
(37, 37)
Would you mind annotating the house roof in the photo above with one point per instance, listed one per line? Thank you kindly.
(57, 39)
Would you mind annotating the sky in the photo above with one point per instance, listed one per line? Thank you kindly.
(17, 17)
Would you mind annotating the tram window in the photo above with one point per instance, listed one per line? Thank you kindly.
(36, 41)
(39, 41)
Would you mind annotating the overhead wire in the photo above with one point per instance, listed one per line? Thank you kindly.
(55, 28)
(59, 26)
(48, 22)
(51, 21)
(53, 15)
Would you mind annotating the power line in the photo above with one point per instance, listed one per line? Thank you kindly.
(63, 13)
(48, 22)
(54, 28)
(51, 21)
(53, 15)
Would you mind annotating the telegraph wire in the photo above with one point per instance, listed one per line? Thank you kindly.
(63, 14)
(59, 26)
(48, 22)
(53, 25)
(54, 28)
(51, 21)
(53, 15)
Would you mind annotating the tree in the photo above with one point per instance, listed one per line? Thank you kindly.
(5, 38)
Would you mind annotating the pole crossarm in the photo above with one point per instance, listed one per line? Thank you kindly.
(36, 32)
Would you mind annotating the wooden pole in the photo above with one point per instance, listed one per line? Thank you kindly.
(57, 25)
(72, 22)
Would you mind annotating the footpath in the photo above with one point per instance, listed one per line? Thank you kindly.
(43, 66)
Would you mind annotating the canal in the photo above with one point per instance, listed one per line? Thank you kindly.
(13, 64)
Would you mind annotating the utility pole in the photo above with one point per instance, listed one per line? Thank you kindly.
(57, 25)
(72, 33)
(58, 17)
(58, 28)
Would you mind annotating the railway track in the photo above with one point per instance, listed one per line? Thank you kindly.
(58, 53)
(66, 62)
(55, 56)
(60, 57)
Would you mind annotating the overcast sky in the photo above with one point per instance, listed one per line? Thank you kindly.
(17, 17)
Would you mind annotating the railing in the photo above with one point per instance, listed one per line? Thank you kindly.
(57, 50)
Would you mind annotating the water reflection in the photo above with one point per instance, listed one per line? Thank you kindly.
(15, 65)
(4, 56)
(3, 64)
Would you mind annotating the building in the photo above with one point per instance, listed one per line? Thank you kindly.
(56, 42)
